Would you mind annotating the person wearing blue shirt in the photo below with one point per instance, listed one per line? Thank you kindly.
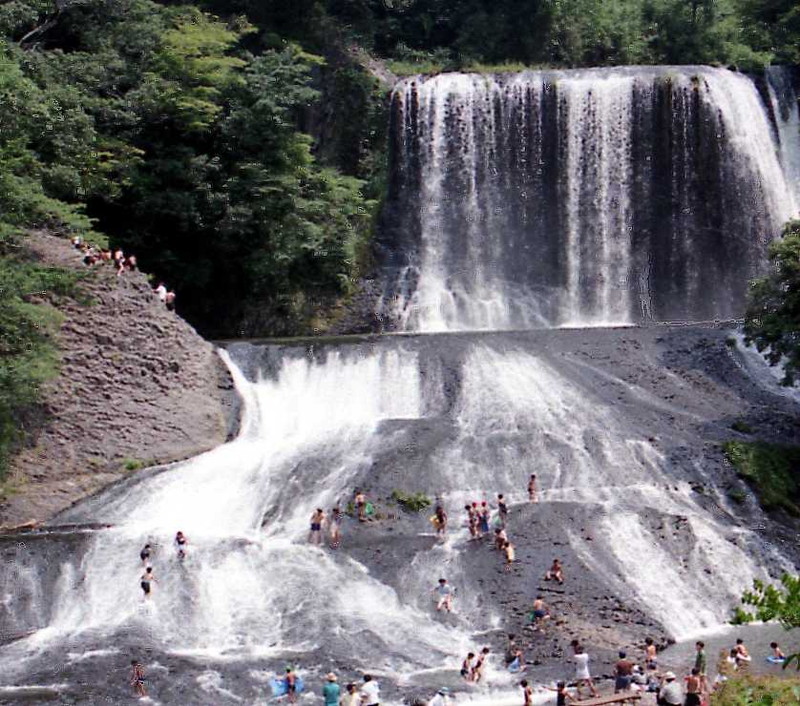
(331, 691)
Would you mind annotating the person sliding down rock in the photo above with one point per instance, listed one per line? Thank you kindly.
(555, 572)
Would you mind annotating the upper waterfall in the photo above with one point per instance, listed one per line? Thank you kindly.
(593, 197)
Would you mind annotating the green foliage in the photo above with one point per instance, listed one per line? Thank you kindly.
(742, 427)
(757, 691)
(411, 502)
(771, 469)
(772, 321)
(133, 464)
(767, 602)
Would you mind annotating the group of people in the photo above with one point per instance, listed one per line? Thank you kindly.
(93, 255)
(148, 578)
(166, 296)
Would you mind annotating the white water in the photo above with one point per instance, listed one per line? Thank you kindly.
(787, 114)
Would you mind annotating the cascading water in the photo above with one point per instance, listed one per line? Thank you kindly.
(591, 198)
(582, 197)
(786, 110)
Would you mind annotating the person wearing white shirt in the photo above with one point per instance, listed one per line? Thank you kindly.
(370, 692)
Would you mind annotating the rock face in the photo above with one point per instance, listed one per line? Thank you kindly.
(137, 387)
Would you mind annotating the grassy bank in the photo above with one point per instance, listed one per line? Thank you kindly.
(772, 471)
(758, 691)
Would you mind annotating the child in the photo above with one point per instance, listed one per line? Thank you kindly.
(532, 492)
(137, 678)
(467, 667)
(527, 692)
(146, 580)
(477, 670)
(562, 695)
(180, 545)
(445, 593)
(650, 658)
(508, 549)
(777, 654)
(334, 527)
(555, 573)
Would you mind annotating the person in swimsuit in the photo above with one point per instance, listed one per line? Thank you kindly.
(181, 543)
(527, 693)
(539, 612)
(533, 494)
(508, 550)
(500, 539)
(466, 667)
(694, 688)
(472, 520)
(315, 535)
(146, 581)
(334, 527)
(777, 653)
(555, 572)
(650, 658)
(137, 678)
(477, 670)
(440, 520)
(742, 653)
(291, 685)
(502, 510)
(445, 593)
(144, 555)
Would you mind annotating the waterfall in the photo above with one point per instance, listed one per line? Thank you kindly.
(594, 197)
(785, 107)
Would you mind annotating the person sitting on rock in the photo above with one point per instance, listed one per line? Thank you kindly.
(555, 572)
(161, 291)
(169, 300)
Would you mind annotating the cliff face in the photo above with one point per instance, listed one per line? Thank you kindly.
(137, 387)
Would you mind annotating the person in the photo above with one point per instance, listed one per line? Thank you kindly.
(331, 690)
(442, 698)
(147, 580)
(169, 300)
(502, 510)
(527, 693)
(777, 653)
(315, 534)
(623, 673)
(500, 538)
(137, 678)
(533, 493)
(334, 527)
(144, 555)
(472, 520)
(483, 518)
(582, 675)
(742, 654)
(477, 670)
(694, 688)
(361, 505)
(161, 291)
(701, 663)
(440, 520)
(511, 649)
(445, 593)
(650, 656)
(670, 693)
(555, 572)
(181, 543)
(539, 613)
(508, 550)
(370, 692)
(291, 685)
(352, 697)
(562, 695)
(466, 666)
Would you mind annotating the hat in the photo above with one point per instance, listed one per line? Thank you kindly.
(670, 675)
(444, 690)
(330, 676)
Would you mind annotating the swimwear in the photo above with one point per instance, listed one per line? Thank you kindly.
(146, 586)
(692, 700)
(316, 526)
(144, 554)
(539, 614)
(622, 683)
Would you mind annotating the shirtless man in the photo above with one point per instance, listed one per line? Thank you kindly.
(315, 533)
(539, 612)
(650, 657)
(146, 581)
(533, 494)
(694, 688)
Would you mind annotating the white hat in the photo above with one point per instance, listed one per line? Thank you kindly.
(330, 676)
(670, 675)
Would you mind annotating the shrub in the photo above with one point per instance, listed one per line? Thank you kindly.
(770, 469)
(411, 502)
(758, 691)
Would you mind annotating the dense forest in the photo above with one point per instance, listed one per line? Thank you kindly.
(237, 147)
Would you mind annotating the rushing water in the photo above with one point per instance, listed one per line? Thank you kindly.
(569, 198)
(591, 197)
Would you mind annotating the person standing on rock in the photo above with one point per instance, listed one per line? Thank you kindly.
(510, 554)
(331, 690)
(146, 581)
(502, 510)
(484, 517)
(137, 678)
(582, 675)
(444, 591)
(527, 693)
(360, 501)
(472, 520)
(533, 493)
(694, 688)
(650, 656)
(370, 692)
(539, 613)
(623, 673)
(467, 666)
(315, 533)
(477, 670)
(701, 663)
(334, 527)
(440, 521)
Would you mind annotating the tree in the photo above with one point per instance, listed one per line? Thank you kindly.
(772, 321)
(781, 603)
